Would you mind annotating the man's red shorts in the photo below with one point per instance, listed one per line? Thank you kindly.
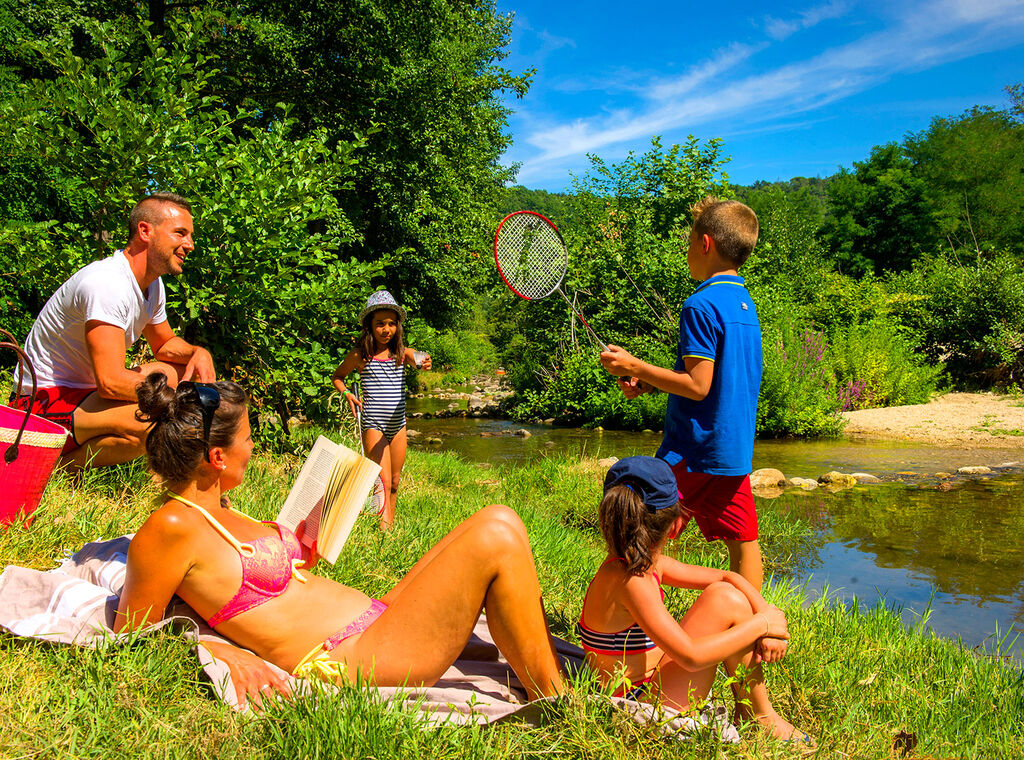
(57, 405)
(722, 505)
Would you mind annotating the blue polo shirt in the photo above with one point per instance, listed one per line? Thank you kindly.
(716, 435)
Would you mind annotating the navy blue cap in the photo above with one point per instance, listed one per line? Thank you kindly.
(650, 478)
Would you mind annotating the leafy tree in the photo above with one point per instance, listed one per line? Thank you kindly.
(972, 170)
(878, 217)
(419, 82)
(266, 289)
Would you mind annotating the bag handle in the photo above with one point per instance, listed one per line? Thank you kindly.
(23, 361)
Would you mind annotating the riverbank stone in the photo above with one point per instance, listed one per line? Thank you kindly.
(807, 484)
(523, 433)
(607, 461)
(410, 433)
(837, 479)
(974, 470)
(767, 477)
(866, 477)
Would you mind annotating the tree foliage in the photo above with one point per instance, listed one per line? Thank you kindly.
(266, 283)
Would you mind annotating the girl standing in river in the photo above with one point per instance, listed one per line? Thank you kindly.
(381, 358)
(631, 638)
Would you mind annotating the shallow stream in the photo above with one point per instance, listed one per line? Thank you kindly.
(956, 554)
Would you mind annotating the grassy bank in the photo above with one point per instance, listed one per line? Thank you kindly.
(854, 678)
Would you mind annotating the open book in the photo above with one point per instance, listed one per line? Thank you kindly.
(329, 494)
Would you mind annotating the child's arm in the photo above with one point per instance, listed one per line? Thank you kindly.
(693, 382)
(348, 366)
(644, 603)
(675, 573)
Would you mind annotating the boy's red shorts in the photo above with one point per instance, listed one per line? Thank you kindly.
(57, 405)
(722, 505)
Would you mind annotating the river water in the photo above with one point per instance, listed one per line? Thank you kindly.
(956, 555)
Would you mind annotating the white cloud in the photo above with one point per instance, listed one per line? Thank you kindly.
(925, 35)
(780, 29)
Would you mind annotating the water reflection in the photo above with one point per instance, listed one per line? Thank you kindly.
(958, 551)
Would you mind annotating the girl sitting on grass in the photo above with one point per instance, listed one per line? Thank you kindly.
(629, 635)
(381, 358)
(249, 578)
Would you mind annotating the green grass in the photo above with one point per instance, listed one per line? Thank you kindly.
(854, 677)
(988, 425)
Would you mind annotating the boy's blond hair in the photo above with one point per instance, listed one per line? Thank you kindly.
(731, 224)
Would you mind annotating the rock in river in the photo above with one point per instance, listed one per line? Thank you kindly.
(837, 479)
(767, 477)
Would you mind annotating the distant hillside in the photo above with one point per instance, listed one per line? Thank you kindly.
(519, 198)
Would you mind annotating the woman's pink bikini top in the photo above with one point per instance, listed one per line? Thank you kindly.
(268, 565)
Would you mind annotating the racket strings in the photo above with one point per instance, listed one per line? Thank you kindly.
(531, 256)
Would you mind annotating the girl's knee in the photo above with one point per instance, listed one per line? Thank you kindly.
(727, 596)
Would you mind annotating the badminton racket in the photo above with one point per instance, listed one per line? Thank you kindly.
(378, 496)
(532, 259)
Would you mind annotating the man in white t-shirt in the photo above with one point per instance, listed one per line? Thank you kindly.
(80, 339)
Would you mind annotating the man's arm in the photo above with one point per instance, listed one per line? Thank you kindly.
(106, 349)
(693, 382)
(168, 347)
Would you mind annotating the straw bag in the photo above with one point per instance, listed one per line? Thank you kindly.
(30, 447)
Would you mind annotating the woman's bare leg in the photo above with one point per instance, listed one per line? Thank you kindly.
(377, 449)
(718, 608)
(485, 562)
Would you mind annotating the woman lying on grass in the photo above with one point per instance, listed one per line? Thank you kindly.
(629, 634)
(244, 576)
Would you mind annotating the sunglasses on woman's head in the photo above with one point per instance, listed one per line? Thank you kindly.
(209, 401)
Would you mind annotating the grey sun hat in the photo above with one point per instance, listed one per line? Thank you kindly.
(382, 300)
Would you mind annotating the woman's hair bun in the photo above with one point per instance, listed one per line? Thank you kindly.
(156, 399)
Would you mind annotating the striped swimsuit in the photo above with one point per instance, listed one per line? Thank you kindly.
(631, 640)
(383, 396)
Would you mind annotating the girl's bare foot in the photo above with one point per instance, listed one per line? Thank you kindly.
(780, 728)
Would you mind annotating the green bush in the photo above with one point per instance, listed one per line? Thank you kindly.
(578, 391)
(968, 312)
(875, 365)
(462, 351)
(798, 397)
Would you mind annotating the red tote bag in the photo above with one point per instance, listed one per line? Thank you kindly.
(29, 449)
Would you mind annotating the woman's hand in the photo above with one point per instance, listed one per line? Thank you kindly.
(252, 677)
(309, 553)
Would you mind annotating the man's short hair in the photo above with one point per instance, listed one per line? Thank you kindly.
(151, 209)
(731, 224)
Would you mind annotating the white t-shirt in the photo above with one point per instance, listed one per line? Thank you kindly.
(105, 291)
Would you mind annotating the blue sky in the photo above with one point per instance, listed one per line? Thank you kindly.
(793, 89)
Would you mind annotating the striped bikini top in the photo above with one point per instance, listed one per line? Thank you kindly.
(632, 640)
(268, 565)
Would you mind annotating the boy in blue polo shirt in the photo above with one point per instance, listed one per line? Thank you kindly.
(712, 409)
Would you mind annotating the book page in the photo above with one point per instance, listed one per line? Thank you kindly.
(305, 500)
(350, 484)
